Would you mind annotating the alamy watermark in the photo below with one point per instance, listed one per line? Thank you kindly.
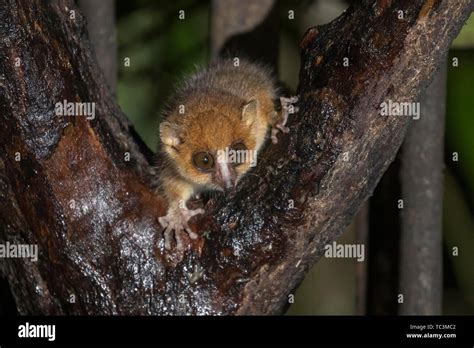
(27, 251)
(350, 251)
(237, 156)
(28, 330)
(391, 108)
(66, 108)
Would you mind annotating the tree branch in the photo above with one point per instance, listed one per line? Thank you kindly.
(93, 213)
(249, 24)
(421, 266)
(101, 26)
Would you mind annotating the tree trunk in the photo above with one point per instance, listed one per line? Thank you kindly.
(100, 16)
(247, 27)
(81, 188)
(421, 260)
(361, 227)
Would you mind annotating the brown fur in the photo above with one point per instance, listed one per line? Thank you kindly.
(223, 105)
(213, 99)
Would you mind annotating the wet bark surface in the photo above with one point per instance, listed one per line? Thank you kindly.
(82, 188)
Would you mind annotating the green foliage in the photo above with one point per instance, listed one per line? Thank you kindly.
(459, 239)
(465, 39)
(160, 47)
(460, 116)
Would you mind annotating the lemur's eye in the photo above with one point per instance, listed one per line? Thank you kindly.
(240, 157)
(203, 161)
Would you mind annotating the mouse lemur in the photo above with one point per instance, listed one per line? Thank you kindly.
(214, 126)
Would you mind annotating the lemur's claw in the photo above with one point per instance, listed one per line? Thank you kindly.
(175, 223)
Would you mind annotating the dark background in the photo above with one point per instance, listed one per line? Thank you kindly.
(162, 48)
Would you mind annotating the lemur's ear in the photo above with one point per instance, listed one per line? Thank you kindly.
(249, 112)
(170, 134)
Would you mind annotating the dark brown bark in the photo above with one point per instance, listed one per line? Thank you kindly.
(361, 227)
(421, 260)
(100, 16)
(93, 214)
(245, 27)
